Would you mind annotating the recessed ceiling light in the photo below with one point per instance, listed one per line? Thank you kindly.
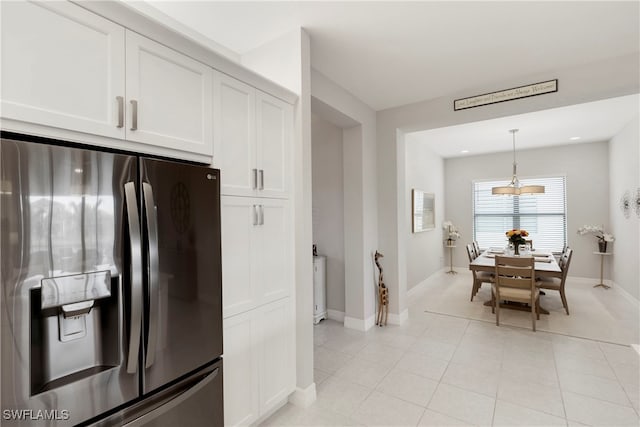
(78, 170)
(464, 151)
(574, 138)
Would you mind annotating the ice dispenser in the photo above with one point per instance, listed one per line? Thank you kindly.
(75, 324)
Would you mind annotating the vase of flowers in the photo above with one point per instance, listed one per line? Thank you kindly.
(598, 231)
(516, 237)
(451, 232)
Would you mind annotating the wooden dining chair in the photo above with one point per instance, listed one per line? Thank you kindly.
(557, 283)
(515, 280)
(479, 277)
(476, 246)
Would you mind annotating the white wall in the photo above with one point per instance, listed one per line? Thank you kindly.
(278, 60)
(328, 204)
(586, 167)
(424, 170)
(360, 197)
(624, 175)
(589, 82)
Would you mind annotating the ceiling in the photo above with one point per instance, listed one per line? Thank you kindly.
(592, 121)
(392, 53)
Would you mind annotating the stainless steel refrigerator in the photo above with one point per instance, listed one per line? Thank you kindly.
(111, 299)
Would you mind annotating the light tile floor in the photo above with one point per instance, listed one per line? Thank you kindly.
(440, 370)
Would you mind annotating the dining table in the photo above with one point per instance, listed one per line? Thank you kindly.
(545, 266)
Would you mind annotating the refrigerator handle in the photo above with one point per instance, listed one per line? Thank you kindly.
(154, 271)
(135, 320)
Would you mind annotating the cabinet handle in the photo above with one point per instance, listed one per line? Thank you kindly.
(255, 215)
(261, 215)
(255, 178)
(261, 179)
(120, 111)
(134, 114)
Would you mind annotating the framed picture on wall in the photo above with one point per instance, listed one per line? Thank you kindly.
(423, 211)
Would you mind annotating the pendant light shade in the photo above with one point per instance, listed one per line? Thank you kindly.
(514, 188)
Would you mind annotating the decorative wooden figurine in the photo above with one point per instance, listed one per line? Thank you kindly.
(383, 295)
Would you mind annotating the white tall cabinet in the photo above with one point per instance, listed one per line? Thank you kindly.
(71, 74)
(252, 147)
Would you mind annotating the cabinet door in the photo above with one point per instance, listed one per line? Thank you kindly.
(276, 368)
(241, 402)
(174, 96)
(62, 66)
(235, 144)
(274, 250)
(274, 132)
(239, 275)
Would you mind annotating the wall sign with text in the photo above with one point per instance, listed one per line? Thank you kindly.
(506, 95)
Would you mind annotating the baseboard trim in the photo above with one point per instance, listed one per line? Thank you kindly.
(359, 324)
(399, 319)
(336, 315)
(303, 397)
(626, 294)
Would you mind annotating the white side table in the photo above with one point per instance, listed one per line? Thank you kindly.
(451, 270)
(602, 255)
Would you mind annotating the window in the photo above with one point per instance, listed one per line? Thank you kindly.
(544, 216)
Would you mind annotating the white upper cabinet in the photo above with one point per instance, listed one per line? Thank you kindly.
(63, 67)
(274, 132)
(169, 97)
(252, 140)
(234, 135)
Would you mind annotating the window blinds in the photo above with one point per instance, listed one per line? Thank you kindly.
(544, 216)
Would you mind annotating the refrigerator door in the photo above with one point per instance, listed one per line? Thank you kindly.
(194, 400)
(181, 227)
(63, 283)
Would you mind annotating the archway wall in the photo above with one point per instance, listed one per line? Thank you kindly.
(360, 192)
(586, 83)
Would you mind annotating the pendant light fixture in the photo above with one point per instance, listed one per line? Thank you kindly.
(514, 188)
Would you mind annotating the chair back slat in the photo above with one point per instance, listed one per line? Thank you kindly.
(470, 252)
(565, 261)
(525, 272)
(476, 247)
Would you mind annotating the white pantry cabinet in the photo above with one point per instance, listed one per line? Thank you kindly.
(169, 97)
(252, 140)
(62, 66)
(258, 361)
(256, 252)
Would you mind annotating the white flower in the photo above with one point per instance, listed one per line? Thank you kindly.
(596, 230)
(447, 224)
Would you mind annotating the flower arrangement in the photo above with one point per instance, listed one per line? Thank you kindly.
(451, 230)
(598, 231)
(517, 236)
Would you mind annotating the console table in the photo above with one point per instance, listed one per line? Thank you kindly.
(602, 255)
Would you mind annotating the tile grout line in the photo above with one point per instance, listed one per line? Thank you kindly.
(564, 407)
